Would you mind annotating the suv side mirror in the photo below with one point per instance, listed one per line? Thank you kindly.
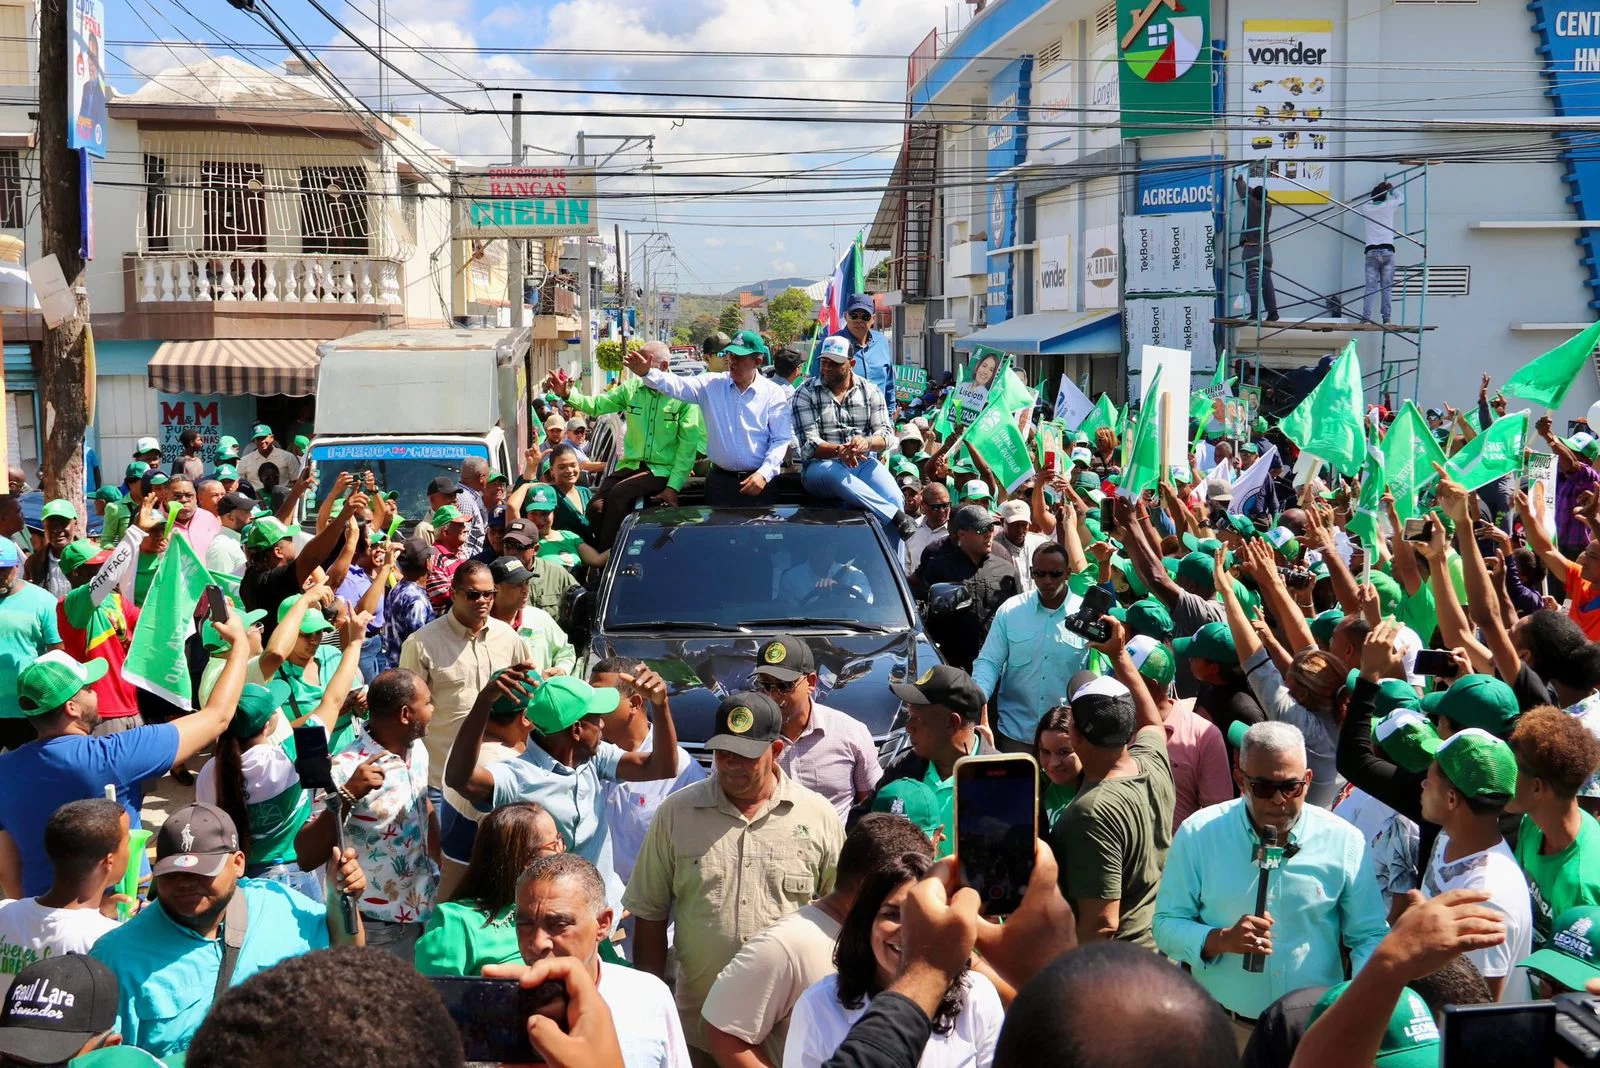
(577, 616)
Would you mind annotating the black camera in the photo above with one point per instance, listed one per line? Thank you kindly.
(1087, 621)
(1564, 1030)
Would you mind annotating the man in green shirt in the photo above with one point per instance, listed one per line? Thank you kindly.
(663, 438)
(550, 581)
(119, 512)
(1558, 845)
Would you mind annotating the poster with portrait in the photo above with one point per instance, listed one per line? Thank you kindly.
(86, 77)
(982, 372)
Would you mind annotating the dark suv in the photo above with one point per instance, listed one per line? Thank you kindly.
(696, 592)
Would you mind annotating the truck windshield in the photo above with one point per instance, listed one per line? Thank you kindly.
(729, 573)
(405, 468)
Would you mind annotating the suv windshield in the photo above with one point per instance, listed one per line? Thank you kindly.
(403, 467)
(727, 573)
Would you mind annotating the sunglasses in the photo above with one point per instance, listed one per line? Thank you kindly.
(860, 315)
(477, 595)
(774, 686)
(1048, 574)
(1264, 789)
(942, 507)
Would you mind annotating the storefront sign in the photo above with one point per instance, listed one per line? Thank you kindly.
(1165, 69)
(1008, 146)
(527, 202)
(1054, 101)
(202, 414)
(1569, 54)
(1056, 272)
(1101, 267)
(1103, 110)
(1168, 185)
(86, 77)
(1171, 253)
(1288, 91)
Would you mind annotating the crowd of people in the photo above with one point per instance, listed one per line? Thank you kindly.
(1299, 789)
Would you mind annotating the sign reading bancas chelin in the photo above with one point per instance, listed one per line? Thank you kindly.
(527, 202)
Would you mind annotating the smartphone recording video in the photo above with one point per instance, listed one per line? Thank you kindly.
(996, 818)
(1418, 529)
(492, 1015)
(1436, 662)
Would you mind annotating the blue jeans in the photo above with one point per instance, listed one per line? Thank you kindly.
(290, 875)
(868, 484)
(372, 660)
(1380, 280)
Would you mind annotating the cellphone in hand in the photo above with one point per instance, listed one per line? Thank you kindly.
(1108, 514)
(492, 1015)
(996, 822)
(311, 760)
(1418, 529)
(1435, 662)
(215, 603)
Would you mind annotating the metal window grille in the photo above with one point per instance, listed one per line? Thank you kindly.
(333, 210)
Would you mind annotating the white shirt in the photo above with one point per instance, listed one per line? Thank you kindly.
(225, 554)
(746, 429)
(1378, 219)
(1393, 840)
(648, 1029)
(249, 467)
(630, 806)
(919, 541)
(819, 1025)
(1496, 870)
(1022, 556)
(30, 932)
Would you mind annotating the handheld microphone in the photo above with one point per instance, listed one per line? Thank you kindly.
(1257, 962)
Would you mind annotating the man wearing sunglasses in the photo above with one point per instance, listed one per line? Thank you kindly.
(870, 351)
(1322, 888)
(930, 526)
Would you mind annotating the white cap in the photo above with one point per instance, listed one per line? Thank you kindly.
(1104, 685)
(146, 445)
(835, 348)
(1409, 643)
(976, 489)
(1083, 456)
(1014, 512)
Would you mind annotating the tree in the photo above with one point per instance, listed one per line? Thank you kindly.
(731, 321)
(879, 273)
(789, 314)
(608, 353)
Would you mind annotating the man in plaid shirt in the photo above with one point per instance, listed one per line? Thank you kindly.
(841, 422)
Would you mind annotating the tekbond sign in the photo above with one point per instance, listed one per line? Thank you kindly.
(527, 202)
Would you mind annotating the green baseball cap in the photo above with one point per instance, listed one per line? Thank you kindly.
(1086, 481)
(59, 509)
(1324, 624)
(257, 705)
(1389, 592)
(1584, 444)
(560, 702)
(80, 553)
(1478, 764)
(302, 442)
(314, 622)
(226, 473)
(1199, 569)
(746, 343)
(1260, 425)
(1153, 659)
(1250, 447)
(1392, 694)
(505, 708)
(1406, 737)
(109, 494)
(54, 679)
(212, 640)
(1569, 957)
(446, 515)
(495, 476)
(135, 471)
(1214, 641)
(1283, 540)
(227, 441)
(267, 532)
(963, 465)
(1411, 1039)
(1123, 568)
(1242, 526)
(259, 431)
(912, 799)
(541, 498)
(1150, 617)
(1209, 546)
(1480, 701)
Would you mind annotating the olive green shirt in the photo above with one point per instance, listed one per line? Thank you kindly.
(663, 434)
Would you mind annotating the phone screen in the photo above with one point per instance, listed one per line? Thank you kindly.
(1108, 515)
(1435, 662)
(1485, 1036)
(492, 1015)
(311, 760)
(1418, 529)
(996, 817)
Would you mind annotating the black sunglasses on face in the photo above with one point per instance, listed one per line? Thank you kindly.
(774, 686)
(860, 315)
(476, 595)
(1264, 789)
(943, 506)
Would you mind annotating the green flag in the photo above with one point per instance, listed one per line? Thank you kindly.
(1103, 415)
(1327, 423)
(944, 419)
(994, 436)
(1009, 392)
(1409, 452)
(156, 661)
(1199, 408)
(1364, 522)
(1493, 454)
(1141, 467)
(1546, 379)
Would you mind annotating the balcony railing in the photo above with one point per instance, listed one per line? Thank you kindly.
(265, 278)
(558, 297)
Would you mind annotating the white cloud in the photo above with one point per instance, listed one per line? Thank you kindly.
(712, 242)
(503, 16)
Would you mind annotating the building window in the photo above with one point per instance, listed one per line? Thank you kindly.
(11, 213)
(333, 210)
(157, 205)
(235, 203)
(410, 201)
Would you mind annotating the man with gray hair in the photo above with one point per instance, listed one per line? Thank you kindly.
(1321, 890)
(469, 498)
(561, 911)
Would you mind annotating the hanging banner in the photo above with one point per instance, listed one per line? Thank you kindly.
(1287, 79)
(983, 370)
(1165, 65)
(1171, 253)
(86, 77)
(1174, 323)
(518, 201)
(1008, 146)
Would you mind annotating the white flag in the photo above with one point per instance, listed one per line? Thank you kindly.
(1253, 481)
(1072, 407)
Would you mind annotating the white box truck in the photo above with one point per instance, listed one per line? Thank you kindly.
(410, 405)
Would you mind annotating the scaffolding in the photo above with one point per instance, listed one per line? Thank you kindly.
(1306, 311)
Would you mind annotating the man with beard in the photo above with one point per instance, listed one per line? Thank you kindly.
(171, 958)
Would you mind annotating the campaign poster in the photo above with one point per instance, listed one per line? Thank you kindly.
(86, 77)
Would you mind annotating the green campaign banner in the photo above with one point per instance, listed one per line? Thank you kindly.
(1164, 65)
(156, 662)
(1493, 454)
(994, 437)
(909, 383)
(1409, 452)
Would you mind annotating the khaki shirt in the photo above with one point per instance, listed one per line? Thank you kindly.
(456, 667)
(722, 879)
(756, 992)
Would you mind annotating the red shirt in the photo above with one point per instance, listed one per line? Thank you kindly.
(104, 634)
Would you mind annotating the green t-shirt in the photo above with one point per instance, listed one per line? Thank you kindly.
(1056, 799)
(277, 804)
(1417, 611)
(1112, 840)
(561, 547)
(460, 940)
(944, 793)
(28, 628)
(117, 518)
(1563, 880)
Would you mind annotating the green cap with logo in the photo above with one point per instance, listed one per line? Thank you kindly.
(912, 799)
(1153, 659)
(1406, 737)
(53, 680)
(1584, 444)
(1481, 701)
(541, 498)
(259, 431)
(1242, 526)
(1214, 641)
(1568, 958)
(60, 509)
(226, 472)
(1150, 617)
(266, 532)
(1283, 540)
(560, 702)
(1478, 764)
(746, 343)
(1411, 1040)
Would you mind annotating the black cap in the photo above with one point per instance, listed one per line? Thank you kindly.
(1103, 712)
(55, 1006)
(747, 724)
(714, 343)
(972, 517)
(443, 484)
(235, 502)
(521, 534)
(509, 570)
(415, 554)
(943, 685)
(785, 658)
(197, 839)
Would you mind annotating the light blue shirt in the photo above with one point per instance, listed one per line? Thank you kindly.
(746, 429)
(1324, 895)
(166, 973)
(574, 797)
(1032, 655)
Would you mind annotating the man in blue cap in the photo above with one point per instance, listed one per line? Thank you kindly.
(870, 350)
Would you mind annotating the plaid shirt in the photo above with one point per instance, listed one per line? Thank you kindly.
(820, 417)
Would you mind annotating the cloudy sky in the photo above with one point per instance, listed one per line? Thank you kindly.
(809, 181)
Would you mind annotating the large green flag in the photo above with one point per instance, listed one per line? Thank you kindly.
(1141, 465)
(1328, 423)
(1493, 454)
(994, 437)
(1009, 392)
(1409, 452)
(1546, 379)
(1104, 415)
(156, 661)
(1364, 521)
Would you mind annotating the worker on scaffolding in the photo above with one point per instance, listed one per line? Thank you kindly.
(1379, 213)
(1254, 241)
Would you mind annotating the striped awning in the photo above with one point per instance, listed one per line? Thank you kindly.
(236, 367)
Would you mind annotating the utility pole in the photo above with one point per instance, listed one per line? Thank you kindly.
(59, 366)
(585, 330)
(517, 252)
